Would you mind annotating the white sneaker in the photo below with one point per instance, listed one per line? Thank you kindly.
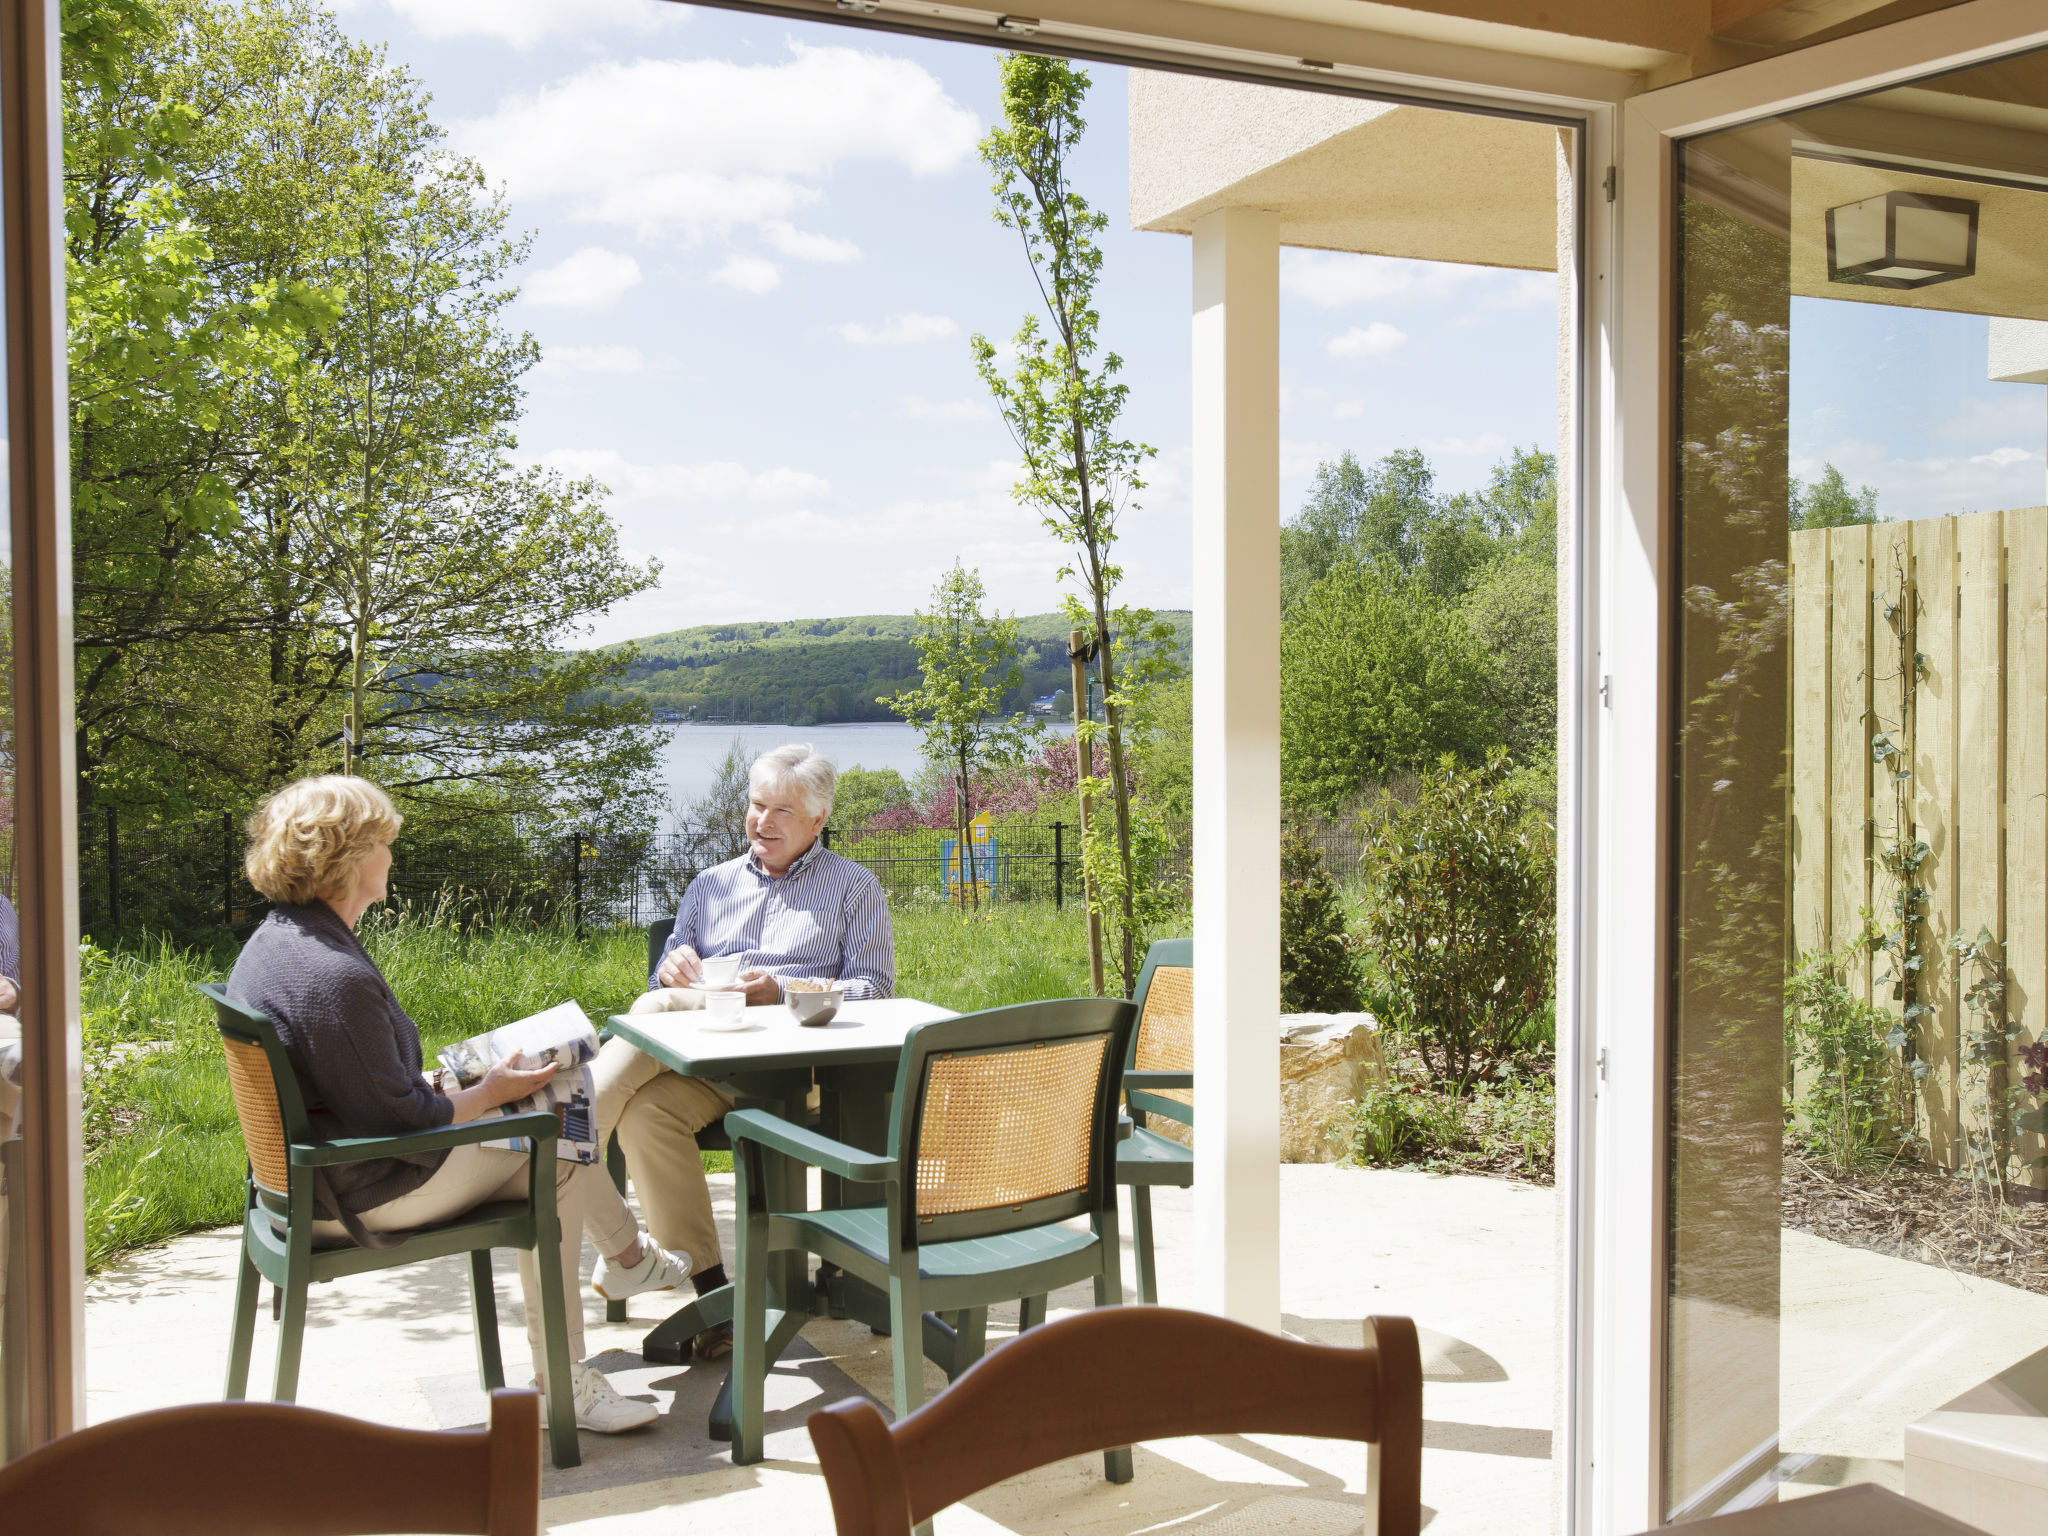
(658, 1270)
(599, 1407)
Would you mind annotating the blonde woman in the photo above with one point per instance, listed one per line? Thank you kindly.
(320, 850)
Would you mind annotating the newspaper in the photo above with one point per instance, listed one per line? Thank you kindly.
(563, 1035)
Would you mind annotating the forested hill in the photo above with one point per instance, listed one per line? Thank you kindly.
(820, 671)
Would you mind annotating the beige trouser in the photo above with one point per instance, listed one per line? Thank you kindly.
(658, 1114)
(475, 1175)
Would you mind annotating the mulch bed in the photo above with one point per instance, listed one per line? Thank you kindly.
(1914, 1213)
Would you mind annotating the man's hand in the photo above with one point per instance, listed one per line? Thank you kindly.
(10, 995)
(680, 967)
(761, 988)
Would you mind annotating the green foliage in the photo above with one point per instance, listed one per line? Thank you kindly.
(292, 397)
(1163, 745)
(968, 661)
(1849, 1115)
(1317, 971)
(1829, 503)
(864, 793)
(1506, 1125)
(1511, 612)
(1461, 914)
(1376, 675)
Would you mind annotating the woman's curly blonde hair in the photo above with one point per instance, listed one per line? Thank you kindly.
(309, 839)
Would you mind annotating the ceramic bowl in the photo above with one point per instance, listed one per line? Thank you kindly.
(815, 1008)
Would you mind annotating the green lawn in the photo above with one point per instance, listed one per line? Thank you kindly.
(164, 1155)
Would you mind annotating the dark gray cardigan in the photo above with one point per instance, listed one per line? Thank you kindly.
(354, 1051)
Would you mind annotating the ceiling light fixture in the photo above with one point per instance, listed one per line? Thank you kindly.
(1902, 240)
(1018, 26)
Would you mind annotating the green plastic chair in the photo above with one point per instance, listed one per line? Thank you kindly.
(1003, 1127)
(1162, 1063)
(277, 1228)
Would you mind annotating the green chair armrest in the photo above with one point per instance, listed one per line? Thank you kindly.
(809, 1147)
(1153, 1104)
(540, 1125)
(1158, 1080)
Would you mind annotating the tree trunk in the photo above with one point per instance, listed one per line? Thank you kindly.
(1084, 761)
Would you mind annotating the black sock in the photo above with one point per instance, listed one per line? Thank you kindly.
(709, 1279)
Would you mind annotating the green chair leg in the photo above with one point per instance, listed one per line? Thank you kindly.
(1141, 1240)
(483, 1311)
(1030, 1312)
(906, 1336)
(1109, 1292)
(749, 1328)
(291, 1336)
(970, 1340)
(248, 1296)
(615, 1165)
(554, 1324)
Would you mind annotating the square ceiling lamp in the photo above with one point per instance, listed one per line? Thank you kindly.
(1902, 240)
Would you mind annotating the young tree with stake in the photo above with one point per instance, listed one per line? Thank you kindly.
(1061, 400)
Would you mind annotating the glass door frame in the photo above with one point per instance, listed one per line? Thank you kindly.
(1624, 1436)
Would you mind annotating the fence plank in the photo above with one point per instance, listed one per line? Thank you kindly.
(2026, 775)
(1980, 739)
(1849, 742)
(1934, 789)
(1811, 821)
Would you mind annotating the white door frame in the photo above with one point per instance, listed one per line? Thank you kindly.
(1622, 1463)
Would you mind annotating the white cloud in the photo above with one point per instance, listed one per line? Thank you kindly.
(593, 278)
(1928, 487)
(639, 485)
(804, 245)
(1298, 459)
(749, 274)
(2002, 457)
(2009, 413)
(522, 23)
(691, 148)
(917, 408)
(897, 330)
(591, 360)
(1374, 340)
(1334, 280)
(1486, 444)
(1348, 410)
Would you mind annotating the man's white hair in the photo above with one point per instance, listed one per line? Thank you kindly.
(801, 765)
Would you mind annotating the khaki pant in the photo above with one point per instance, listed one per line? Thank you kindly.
(474, 1175)
(658, 1114)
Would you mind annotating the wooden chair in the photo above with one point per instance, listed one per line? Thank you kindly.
(1156, 1082)
(277, 1226)
(1123, 1375)
(1003, 1128)
(271, 1469)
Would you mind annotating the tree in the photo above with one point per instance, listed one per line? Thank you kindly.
(1318, 971)
(1829, 503)
(719, 815)
(1388, 517)
(1061, 402)
(969, 662)
(864, 793)
(1376, 675)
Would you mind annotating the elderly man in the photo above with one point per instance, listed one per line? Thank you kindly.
(789, 907)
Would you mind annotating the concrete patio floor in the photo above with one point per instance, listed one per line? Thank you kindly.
(1869, 1343)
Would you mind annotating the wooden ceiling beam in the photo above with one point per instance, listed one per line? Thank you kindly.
(1779, 22)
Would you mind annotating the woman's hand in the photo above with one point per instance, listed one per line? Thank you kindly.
(680, 967)
(506, 1083)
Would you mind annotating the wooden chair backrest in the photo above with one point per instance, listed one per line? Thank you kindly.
(272, 1469)
(1008, 1117)
(1118, 1376)
(267, 1100)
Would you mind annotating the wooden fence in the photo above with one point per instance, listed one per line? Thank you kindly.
(1970, 595)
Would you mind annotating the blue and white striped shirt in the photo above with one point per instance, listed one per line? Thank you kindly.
(825, 918)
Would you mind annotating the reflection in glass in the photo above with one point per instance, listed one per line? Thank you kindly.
(1860, 809)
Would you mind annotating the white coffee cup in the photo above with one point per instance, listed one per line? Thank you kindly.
(720, 971)
(725, 1007)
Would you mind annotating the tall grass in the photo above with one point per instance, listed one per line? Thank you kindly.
(163, 1149)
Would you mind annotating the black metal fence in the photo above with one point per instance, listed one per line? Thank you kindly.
(185, 878)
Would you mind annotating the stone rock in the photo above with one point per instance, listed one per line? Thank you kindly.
(1326, 1061)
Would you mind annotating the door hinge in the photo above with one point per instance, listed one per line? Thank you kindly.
(1600, 1062)
(1607, 692)
(1613, 182)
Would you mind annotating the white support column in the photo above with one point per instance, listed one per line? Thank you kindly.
(1237, 763)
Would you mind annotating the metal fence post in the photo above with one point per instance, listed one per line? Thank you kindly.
(1059, 867)
(227, 870)
(826, 838)
(577, 885)
(113, 868)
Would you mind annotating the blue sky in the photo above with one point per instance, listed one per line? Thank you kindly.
(760, 248)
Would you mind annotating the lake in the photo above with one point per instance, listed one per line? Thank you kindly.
(690, 759)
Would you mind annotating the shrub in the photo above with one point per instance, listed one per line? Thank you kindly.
(1848, 1114)
(1318, 973)
(1461, 913)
